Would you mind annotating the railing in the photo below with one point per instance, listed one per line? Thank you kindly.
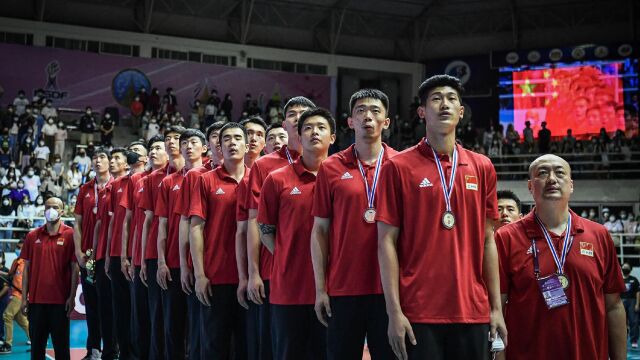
(626, 247)
(593, 165)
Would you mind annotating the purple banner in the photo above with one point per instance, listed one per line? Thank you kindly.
(77, 79)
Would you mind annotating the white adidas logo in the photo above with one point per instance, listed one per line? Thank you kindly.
(295, 191)
(38, 241)
(176, 187)
(425, 183)
(141, 190)
(120, 190)
(346, 176)
(219, 191)
(87, 195)
(530, 250)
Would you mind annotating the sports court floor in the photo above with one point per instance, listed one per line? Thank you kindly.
(79, 335)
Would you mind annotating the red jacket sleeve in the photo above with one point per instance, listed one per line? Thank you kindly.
(322, 201)
(269, 206)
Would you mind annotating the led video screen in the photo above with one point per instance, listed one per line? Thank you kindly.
(584, 97)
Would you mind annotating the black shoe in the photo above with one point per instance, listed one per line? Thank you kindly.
(5, 349)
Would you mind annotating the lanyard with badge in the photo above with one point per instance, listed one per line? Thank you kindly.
(370, 211)
(553, 286)
(95, 193)
(448, 219)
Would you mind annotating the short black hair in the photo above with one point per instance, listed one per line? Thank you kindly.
(174, 129)
(233, 125)
(255, 119)
(438, 81)
(101, 150)
(215, 127)
(299, 101)
(154, 140)
(317, 112)
(120, 150)
(189, 133)
(137, 142)
(508, 194)
(369, 94)
(276, 125)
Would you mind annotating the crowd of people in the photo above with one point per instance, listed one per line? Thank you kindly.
(192, 244)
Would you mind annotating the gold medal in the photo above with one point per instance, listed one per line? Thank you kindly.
(564, 281)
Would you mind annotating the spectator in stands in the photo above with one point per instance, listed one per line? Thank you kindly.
(527, 133)
(154, 101)
(90, 149)
(82, 162)
(5, 152)
(487, 138)
(579, 149)
(26, 150)
(227, 105)
(17, 193)
(630, 223)
(222, 116)
(73, 180)
(39, 121)
(5, 290)
(154, 128)
(87, 126)
(49, 133)
(195, 116)
(106, 130)
(57, 167)
(512, 137)
(48, 111)
(31, 182)
(60, 138)
(593, 215)
(137, 110)
(41, 154)
(50, 187)
(170, 101)
(13, 311)
(631, 302)
(144, 98)
(613, 224)
(71, 204)
(20, 103)
(6, 117)
(26, 212)
(604, 137)
(568, 142)
(469, 136)
(544, 139)
(13, 135)
(494, 149)
(7, 219)
(39, 208)
(210, 112)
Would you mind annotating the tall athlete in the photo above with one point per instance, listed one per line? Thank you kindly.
(141, 327)
(256, 129)
(509, 208)
(438, 259)
(344, 240)
(118, 168)
(149, 267)
(276, 138)
(285, 222)
(258, 257)
(213, 228)
(83, 232)
(186, 264)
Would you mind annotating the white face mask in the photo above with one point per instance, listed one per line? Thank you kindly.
(51, 215)
(612, 218)
(30, 172)
(5, 202)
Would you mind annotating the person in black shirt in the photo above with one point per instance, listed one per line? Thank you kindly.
(87, 126)
(106, 130)
(631, 302)
(544, 139)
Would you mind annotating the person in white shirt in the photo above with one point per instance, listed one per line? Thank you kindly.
(20, 103)
(60, 138)
(49, 132)
(41, 153)
(48, 111)
(31, 183)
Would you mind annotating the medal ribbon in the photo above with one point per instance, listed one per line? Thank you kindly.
(95, 189)
(566, 246)
(447, 190)
(371, 192)
(289, 158)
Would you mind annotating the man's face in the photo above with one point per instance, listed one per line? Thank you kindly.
(291, 117)
(157, 154)
(214, 144)
(442, 110)
(509, 212)
(118, 163)
(172, 144)
(255, 134)
(100, 163)
(608, 115)
(580, 108)
(368, 118)
(140, 150)
(192, 148)
(550, 180)
(316, 135)
(234, 144)
(276, 138)
(54, 203)
(593, 117)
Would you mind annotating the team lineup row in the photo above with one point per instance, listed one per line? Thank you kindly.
(298, 255)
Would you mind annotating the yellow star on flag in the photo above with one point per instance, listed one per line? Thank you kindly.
(546, 74)
(528, 88)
